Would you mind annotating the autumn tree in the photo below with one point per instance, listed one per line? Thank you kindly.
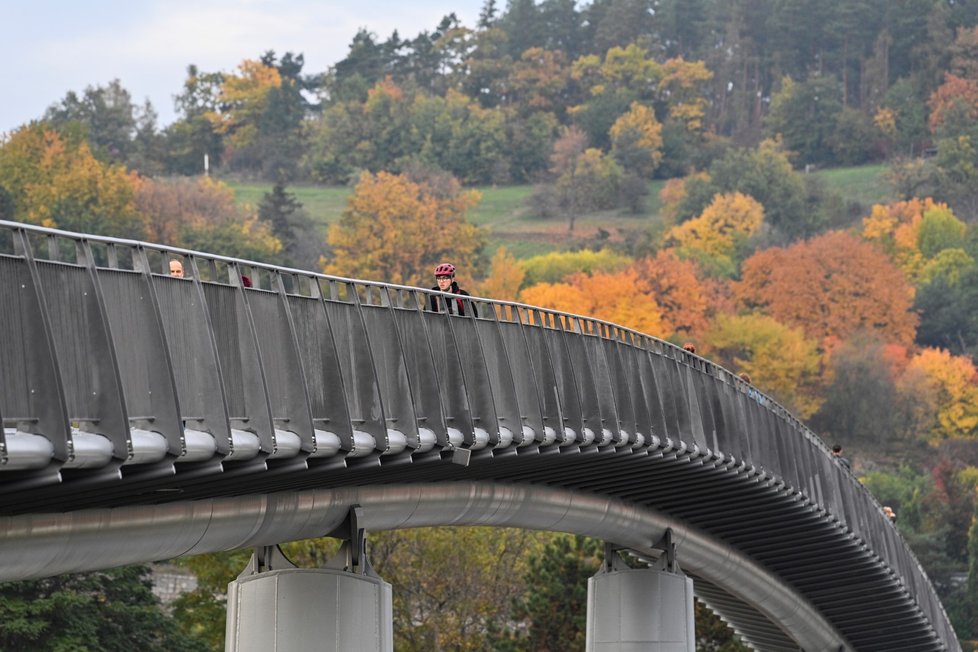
(615, 297)
(450, 583)
(955, 381)
(915, 233)
(54, 180)
(584, 179)
(766, 175)
(202, 214)
(557, 265)
(636, 141)
(685, 301)
(243, 99)
(831, 285)
(954, 106)
(505, 277)
(396, 230)
(717, 238)
(780, 359)
(538, 81)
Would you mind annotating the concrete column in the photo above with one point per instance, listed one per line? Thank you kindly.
(640, 610)
(301, 610)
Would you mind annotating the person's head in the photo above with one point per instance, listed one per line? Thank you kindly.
(836, 450)
(444, 276)
(745, 377)
(176, 268)
(689, 346)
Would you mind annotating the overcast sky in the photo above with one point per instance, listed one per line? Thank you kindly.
(50, 47)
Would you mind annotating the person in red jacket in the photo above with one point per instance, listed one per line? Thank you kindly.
(445, 279)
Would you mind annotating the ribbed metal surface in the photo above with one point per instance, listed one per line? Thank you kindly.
(345, 383)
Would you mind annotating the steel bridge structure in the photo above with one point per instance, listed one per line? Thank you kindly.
(147, 416)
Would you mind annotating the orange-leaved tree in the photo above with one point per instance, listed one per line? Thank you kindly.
(685, 301)
(832, 285)
(779, 359)
(954, 103)
(612, 296)
(397, 230)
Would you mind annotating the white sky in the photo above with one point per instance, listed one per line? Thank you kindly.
(50, 47)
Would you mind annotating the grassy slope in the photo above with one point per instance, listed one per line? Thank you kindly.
(502, 211)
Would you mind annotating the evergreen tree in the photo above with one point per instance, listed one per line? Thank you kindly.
(291, 225)
(110, 611)
(554, 610)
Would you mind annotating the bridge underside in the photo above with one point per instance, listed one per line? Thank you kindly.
(771, 563)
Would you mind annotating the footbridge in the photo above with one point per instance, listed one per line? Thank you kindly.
(147, 416)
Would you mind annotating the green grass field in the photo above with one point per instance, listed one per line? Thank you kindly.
(508, 222)
(865, 184)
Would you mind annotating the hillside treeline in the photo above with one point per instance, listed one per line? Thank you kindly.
(841, 82)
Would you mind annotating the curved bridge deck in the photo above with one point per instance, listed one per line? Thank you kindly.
(147, 416)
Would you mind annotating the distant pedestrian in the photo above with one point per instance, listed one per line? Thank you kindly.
(176, 268)
(837, 454)
(689, 346)
(889, 513)
(445, 279)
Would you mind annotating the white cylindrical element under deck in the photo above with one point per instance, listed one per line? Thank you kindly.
(640, 610)
(296, 610)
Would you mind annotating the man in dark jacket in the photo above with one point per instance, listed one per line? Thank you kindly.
(445, 279)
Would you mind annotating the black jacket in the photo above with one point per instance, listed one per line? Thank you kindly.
(456, 306)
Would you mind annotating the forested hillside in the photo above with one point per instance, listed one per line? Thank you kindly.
(850, 297)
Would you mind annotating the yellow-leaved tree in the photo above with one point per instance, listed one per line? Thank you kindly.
(56, 181)
(779, 359)
(714, 238)
(505, 277)
(922, 236)
(636, 140)
(398, 230)
(557, 265)
(954, 380)
(244, 98)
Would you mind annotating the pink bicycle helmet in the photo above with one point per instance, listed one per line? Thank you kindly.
(445, 269)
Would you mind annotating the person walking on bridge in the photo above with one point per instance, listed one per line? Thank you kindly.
(445, 279)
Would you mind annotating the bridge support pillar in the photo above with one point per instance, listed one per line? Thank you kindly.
(640, 609)
(275, 607)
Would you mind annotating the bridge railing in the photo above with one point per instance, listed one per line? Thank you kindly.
(111, 365)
